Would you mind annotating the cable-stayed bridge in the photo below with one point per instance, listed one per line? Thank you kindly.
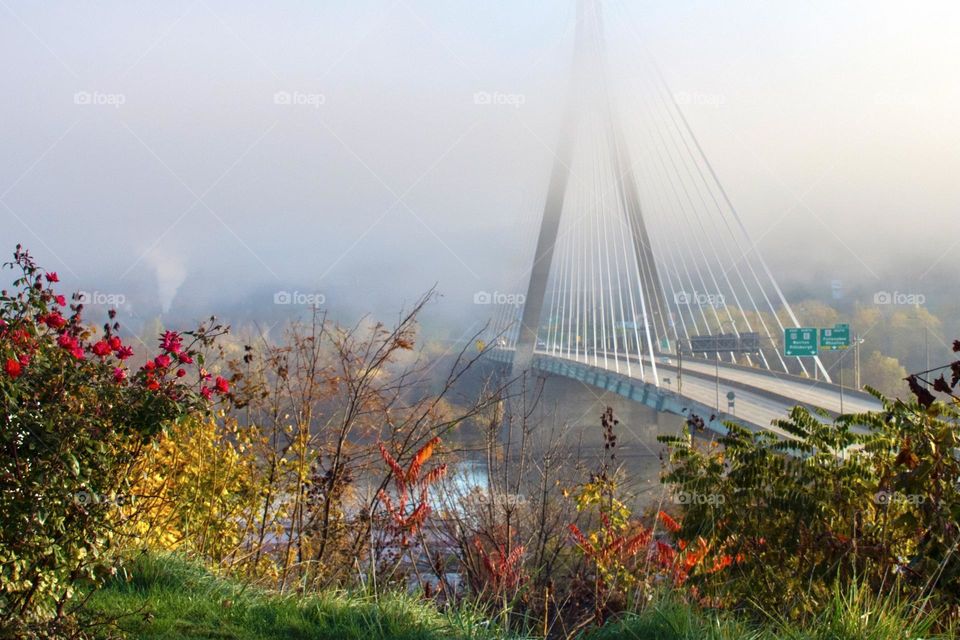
(644, 280)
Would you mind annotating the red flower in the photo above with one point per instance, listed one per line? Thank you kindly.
(101, 349)
(54, 320)
(24, 359)
(153, 385)
(67, 342)
(62, 301)
(13, 368)
(77, 352)
(181, 373)
(185, 358)
(150, 365)
(163, 361)
(205, 392)
(124, 352)
(171, 342)
(119, 375)
(52, 277)
(222, 386)
(115, 343)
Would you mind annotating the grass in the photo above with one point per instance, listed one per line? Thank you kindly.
(165, 597)
(855, 615)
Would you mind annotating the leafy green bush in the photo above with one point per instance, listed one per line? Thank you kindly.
(870, 498)
(74, 420)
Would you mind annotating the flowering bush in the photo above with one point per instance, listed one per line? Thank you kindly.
(75, 418)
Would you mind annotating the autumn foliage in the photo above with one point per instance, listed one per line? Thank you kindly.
(410, 506)
(76, 417)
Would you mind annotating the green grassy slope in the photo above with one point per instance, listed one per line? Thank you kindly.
(168, 598)
(165, 597)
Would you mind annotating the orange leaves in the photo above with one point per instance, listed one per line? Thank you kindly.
(411, 476)
(614, 553)
(398, 475)
(434, 474)
(504, 569)
(665, 554)
(671, 524)
(419, 459)
(694, 556)
(639, 541)
(409, 512)
(721, 563)
(697, 557)
(580, 538)
(609, 549)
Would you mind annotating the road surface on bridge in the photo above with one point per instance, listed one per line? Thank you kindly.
(816, 393)
(761, 396)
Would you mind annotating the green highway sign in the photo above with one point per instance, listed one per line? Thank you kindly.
(836, 338)
(800, 341)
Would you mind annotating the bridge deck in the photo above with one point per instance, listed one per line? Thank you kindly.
(761, 396)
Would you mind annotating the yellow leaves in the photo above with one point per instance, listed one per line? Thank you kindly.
(194, 486)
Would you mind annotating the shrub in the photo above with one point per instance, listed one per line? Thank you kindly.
(197, 490)
(74, 419)
(869, 498)
(628, 561)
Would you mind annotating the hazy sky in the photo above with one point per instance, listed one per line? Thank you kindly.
(204, 155)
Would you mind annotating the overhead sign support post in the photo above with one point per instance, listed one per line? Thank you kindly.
(837, 337)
